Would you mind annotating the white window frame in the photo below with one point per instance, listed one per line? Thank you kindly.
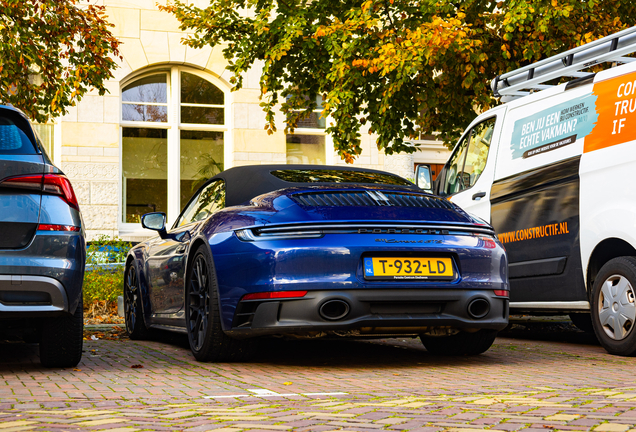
(173, 127)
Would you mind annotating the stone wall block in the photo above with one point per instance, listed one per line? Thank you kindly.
(125, 21)
(111, 108)
(82, 192)
(176, 48)
(400, 164)
(133, 52)
(100, 217)
(91, 171)
(198, 56)
(104, 193)
(155, 46)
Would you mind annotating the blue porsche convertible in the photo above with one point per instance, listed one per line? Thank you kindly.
(317, 251)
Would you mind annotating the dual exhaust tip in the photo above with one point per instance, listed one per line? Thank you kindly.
(478, 308)
(333, 310)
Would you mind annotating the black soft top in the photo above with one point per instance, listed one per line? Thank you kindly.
(246, 182)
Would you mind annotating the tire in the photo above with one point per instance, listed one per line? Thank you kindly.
(62, 339)
(582, 321)
(207, 340)
(133, 311)
(614, 306)
(463, 343)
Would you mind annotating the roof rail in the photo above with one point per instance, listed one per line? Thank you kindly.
(520, 82)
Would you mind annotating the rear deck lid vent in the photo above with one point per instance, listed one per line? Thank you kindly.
(369, 199)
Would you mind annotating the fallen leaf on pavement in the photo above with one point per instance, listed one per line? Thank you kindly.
(136, 366)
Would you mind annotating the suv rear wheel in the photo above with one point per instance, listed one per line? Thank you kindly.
(62, 339)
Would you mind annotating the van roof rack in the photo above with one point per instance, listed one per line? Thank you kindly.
(522, 81)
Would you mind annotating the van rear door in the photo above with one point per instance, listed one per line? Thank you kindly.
(21, 175)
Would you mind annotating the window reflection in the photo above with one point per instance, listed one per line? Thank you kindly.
(335, 176)
(306, 149)
(196, 90)
(146, 99)
(201, 158)
(210, 200)
(152, 89)
(145, 163)
(197, 99)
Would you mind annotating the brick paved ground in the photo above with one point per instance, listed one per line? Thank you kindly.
(520, 384)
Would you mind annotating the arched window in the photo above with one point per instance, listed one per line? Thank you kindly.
(173, 133)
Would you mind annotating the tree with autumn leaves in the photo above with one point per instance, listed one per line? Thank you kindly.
(402, 66)
(51, 53)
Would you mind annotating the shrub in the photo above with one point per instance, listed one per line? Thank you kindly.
(103, 282)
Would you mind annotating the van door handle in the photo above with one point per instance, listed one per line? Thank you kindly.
(478, 196)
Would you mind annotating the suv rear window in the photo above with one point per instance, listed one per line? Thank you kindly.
(335, 176)
(15, 133)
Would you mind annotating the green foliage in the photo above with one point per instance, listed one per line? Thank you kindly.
(51, 53)
(402, 66)
(107, 250)
(103, 285)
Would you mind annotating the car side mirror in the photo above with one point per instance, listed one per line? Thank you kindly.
(423, 178)
(155, 221)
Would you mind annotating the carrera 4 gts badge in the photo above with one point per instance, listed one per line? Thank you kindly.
(383, 240)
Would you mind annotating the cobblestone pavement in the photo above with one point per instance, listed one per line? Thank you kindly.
(393, 384)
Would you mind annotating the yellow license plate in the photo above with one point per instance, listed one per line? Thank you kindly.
(408, 268)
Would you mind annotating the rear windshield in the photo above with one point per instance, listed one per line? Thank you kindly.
(335, 176)
(14, 134)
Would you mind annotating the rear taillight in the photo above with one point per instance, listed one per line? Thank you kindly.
(274, 295)
(55, 184)
(23, 182)
(58, 184)
(49, 227)
(502, 293)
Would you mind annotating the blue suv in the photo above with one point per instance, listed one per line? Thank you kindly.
(42, 247)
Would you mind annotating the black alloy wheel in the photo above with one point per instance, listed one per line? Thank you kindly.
(198, 299)
(133, 314)
(208, 341)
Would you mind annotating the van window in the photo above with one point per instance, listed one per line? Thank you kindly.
(469, 158)
(478, 148)
(453, 181)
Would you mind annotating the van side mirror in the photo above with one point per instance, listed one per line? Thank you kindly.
(423, 178)
(155, 221)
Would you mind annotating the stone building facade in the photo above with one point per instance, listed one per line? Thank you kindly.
(169, 120)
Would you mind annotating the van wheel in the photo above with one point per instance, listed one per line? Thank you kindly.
(582, 321)
(614, 306)
(62, 339)
(462, 343)
(207, 340)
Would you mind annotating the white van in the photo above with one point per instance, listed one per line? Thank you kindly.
(554, 171)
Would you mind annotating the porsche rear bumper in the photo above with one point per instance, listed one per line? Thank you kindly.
(372, 311)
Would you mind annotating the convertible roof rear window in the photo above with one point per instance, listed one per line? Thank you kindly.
(336, 176)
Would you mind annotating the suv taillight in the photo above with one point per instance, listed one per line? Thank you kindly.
(58, 184)
(54, 184)
(23, 182)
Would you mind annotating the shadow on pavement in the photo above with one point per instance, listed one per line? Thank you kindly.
(538, 329)
(395, 352)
